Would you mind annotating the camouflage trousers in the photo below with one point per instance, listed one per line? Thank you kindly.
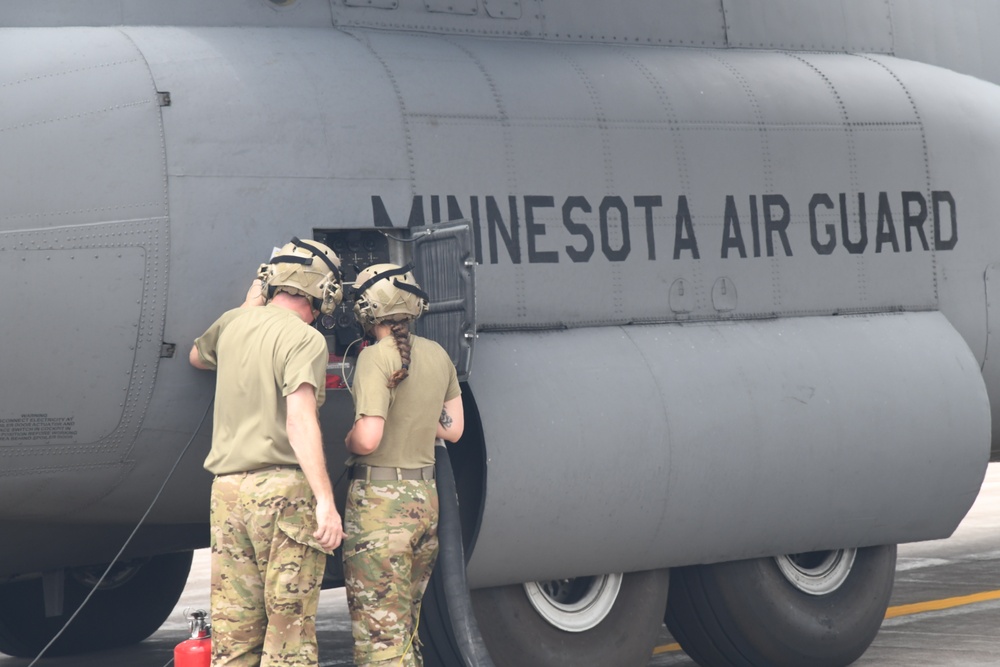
(389, 551)
(266, 570)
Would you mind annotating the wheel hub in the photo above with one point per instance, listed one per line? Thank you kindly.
(817, 572)
(574, 605)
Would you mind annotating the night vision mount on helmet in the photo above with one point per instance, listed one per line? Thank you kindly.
(305, 268)
(387, 292)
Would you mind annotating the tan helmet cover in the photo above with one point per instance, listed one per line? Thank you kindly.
(387, 292)
(306, 268)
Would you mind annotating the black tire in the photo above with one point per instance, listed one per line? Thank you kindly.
(125, 612)
(749, 614)
(517, 636)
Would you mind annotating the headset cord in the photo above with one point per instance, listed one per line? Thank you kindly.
(409, 644)
(128, 540)
(347, 380)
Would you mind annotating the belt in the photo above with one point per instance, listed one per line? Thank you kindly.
(256, 470)
(386, 474)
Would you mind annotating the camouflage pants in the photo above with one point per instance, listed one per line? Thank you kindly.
(389, 552)
(266, 570)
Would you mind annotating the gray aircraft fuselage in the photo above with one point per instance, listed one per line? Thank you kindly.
(736, 284)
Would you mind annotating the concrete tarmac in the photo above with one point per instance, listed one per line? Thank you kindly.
(945, 608)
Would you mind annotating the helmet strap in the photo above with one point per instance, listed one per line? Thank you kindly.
(403, 270)
(316, 253)
(411, 289)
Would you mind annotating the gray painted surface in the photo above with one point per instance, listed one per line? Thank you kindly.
(737, 285)
(579, 143)
(962, 636)
(679, 442)
(81, 133)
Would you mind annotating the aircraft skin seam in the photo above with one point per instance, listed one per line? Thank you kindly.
(766, 167)
(510, 166)
(852, 159)
(89, 233)
(67, 72)
(618, 291)
(926, 151)
(37, 471)
(503, 118)
(689, 319)
(559, 121)
(400, 103)
(82, 114)
(80, 211)
(673, 125)
(159, 122)
(52, 449)
(520, 35)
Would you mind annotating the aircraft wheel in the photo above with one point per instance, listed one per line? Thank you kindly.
(605, 621)
(821, 608)
(131, 603)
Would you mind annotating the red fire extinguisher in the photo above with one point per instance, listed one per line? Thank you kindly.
(196, 651)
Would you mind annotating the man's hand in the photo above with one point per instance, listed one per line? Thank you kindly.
(330, 531)
(255, 295)
(306, 440)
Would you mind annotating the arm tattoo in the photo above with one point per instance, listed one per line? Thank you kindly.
(445, 419)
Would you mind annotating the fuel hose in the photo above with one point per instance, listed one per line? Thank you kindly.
(450, 569)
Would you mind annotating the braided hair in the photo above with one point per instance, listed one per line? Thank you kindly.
(401, 334)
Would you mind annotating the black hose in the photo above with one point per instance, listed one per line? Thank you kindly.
(451, 568)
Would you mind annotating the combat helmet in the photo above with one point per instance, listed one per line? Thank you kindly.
(385, 292)
(306, 268)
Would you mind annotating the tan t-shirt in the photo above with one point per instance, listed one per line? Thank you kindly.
(412, 409)
(261, 355)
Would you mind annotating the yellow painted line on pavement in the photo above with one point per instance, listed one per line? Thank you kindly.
(666, 648)
(938, 605)
(899, 610)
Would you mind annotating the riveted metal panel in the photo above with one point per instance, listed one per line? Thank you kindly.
(89, 413)
(83, 205)
(90, 303)
(717, 139)
(250, 114)
(671, 151)
(503, 9)
(77, 102)
(677, 22)
(466, 7)
(834, 25)
(376, 4)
